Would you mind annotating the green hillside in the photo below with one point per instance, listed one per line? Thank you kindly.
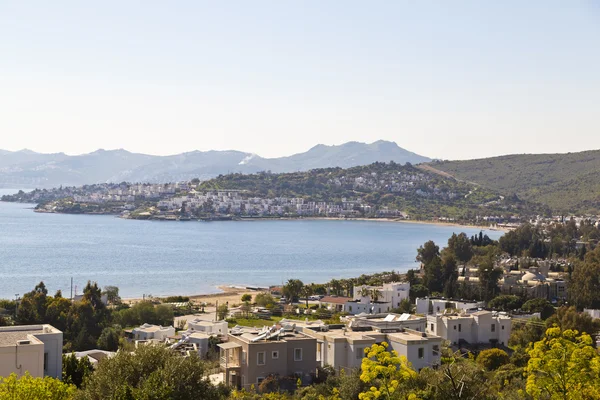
(565, 182)
(422, 194)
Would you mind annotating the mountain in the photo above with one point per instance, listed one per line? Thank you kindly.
(30, 169)
(568, 183)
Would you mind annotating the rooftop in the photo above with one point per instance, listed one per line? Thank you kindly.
(249, 335)
(10, 335)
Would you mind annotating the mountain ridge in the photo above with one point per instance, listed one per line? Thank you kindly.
(26, 168)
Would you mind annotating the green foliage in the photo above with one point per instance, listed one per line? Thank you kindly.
(460, 246)
(222, 311)
(76, 371)
(109, 338)
(492, 359)
(584, 285)
(292, 289)
(568, 318)
(29, 388)
(144, 312)
(264, 300)
(506, 302)
(564, 182)
(543, 306)
(151, 372)
(246, 297)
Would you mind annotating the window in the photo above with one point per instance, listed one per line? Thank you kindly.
(243, 357)
(421, 352)
(275, 355)
(502, 327)
(350, 308)
(454, 327)
(297, 354)
(493, 327)
(259, 380)
(360, 352)
(459, 328)
(432, 328)
(260, 358)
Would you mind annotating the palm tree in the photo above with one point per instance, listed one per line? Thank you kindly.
(306, 292)
(365, 292)
(375, 295)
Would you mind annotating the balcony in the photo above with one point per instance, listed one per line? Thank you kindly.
(230, 356)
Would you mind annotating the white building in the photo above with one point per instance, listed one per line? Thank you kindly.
(94, 356)
(211, 328)
(152, 332)
(36, 349)
(434, 305)
(389, 297)
(481, 327)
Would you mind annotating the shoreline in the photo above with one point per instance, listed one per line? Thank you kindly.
(246, 219)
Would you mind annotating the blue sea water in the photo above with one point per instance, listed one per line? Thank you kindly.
(165, 258)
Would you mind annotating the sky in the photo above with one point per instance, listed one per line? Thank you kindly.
(450, 80)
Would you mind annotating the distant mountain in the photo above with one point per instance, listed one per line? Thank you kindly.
(568, 183)
(26, 168)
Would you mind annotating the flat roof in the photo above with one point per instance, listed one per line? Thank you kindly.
(10, 338)
(229, 345)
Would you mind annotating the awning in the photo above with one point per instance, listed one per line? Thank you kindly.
(229, 345)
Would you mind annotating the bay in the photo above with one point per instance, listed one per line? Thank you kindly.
(167, 258)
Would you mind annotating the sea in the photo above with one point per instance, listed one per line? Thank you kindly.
(160, 258)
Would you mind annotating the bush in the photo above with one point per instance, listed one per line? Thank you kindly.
(492, 359)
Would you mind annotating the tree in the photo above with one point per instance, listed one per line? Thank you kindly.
(524, 333)
(539, 305)
(461, 247)
(375, 295)
(506, 302)
(306, 292)
(76, 371)
(433, 277)
(584, 284)
(492, 359)
(449, 274)
(418, 291)
(151, 372)
(457, 380)
(427, 252)
(246, 297)
(569, 318)
(292, 289)
(112, 294)
(488, 280)
(563, 365)
(222, 311)
(386, 372)
(405, 307)
(264, 300)
(30, 388)
(109, 338)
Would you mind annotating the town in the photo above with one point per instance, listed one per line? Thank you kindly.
(474, 299)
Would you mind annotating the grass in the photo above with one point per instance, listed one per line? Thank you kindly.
(253, 322)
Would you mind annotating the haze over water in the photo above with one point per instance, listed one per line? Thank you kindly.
(165, 258)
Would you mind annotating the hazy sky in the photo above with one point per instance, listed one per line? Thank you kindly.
(460, 79)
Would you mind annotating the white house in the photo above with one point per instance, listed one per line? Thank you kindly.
(434, 305)
(150, 332)
(481, 327)
(212, 328)
(389, 297)
(36, 349)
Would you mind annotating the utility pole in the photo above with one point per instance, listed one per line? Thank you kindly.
(71, 288)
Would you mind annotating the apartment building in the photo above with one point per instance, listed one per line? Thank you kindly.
(250, 355)
(211, 328)
(36, 349)
(480, 327)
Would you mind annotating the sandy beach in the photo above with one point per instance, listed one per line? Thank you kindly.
(229, 294)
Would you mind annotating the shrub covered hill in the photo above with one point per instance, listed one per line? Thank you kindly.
(567, 183)
(420, 193)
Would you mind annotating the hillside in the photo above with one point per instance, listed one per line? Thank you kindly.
(565, 182)
(419, 193)
(26, 168)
